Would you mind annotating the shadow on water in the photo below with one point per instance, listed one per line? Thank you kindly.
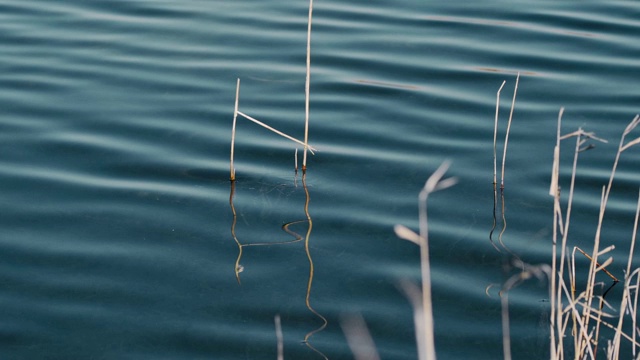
(238, 268)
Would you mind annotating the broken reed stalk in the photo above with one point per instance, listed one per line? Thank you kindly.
(233, 131)
(306, 92)
(506, 139)
(434, 183)
(279, 337)
(554, 191)
(311, 149)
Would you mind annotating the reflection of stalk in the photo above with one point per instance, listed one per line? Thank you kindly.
(306, 248)
(495, 220)
(238, 268)
(233, 230)
(504, 222)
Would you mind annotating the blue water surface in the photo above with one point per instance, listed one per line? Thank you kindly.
(119, 239)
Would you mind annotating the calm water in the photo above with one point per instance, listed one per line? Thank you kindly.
(115, 119)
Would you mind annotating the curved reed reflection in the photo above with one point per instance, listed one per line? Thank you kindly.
(310, 281)
(238, 268)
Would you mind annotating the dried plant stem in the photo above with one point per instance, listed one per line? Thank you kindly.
(527, 272)
(426, 344)
(556, 308)
(233, 131)
(506, 138)
(279, 337)
(276, 131)
(495, 135)
(306, 92)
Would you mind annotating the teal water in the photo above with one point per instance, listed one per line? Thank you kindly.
(117, 234)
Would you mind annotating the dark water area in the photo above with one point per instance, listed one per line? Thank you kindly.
(119, 240)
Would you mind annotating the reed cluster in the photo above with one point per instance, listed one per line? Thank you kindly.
(576, 317)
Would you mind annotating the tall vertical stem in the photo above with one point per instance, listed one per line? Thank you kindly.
(306, 91)
(232, 169)
(506, 138)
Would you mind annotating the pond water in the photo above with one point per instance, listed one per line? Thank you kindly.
(119, 240)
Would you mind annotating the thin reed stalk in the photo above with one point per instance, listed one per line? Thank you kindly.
(233, 131)
(555, 308)
(279, 337)
(495, 135)
(277, 131)
(434, 183)
(306, 90)
(506, 139)
(495, 168)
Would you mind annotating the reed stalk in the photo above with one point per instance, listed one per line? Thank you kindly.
(434, 183)
(233, 131)
(311, 148)
(279, 337)
(555, 192)
(306, 92)
(506, 138)
(495, 135)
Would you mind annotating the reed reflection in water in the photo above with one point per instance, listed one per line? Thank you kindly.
(238, 267)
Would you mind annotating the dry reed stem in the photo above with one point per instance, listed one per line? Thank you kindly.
(276, 131)
(233, 131)
(434, 183)
(306, 92)
(556, 308)
(506, 139)
(495, 134)
(564, 230)
(557, 324)
(279, 337)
